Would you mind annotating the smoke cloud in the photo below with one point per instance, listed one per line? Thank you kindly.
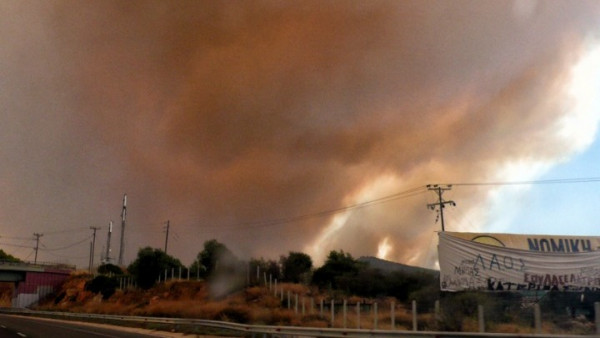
(230, 119)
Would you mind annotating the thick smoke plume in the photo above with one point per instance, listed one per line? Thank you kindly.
(224, 116)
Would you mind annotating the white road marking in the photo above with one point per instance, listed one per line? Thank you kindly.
(21, 334)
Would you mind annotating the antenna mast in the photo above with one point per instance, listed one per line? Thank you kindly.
(107, 258)
(123, 219)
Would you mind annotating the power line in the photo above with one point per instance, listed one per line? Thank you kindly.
(285, 220)
(67, 246)
(532, 182)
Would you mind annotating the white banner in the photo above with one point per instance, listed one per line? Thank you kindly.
(471, 265)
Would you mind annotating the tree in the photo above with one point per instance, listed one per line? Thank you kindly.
(296, 266)
(102, 284)
(270, 267)
(108, 268)
(8, 258)
(215, 255)
(150, 264)
(337, 272)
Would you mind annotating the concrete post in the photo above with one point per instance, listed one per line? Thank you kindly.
(597, 316)
(303, 307)
(332, 312)
(289, 300)
(321, 313)
(375, 314)
(414, 315)
(345, 316)
(296, 303)
(393, 315)
(358, 315)
(480, 318)
(537, 315)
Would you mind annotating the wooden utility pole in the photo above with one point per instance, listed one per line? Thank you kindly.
(93, 247)
(167, 235)
(37, 245)
(441, 203)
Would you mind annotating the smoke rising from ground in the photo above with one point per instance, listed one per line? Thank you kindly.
(218, 115)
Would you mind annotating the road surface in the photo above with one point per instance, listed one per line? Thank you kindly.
(30, 327)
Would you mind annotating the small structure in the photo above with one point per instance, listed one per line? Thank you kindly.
(33, 281)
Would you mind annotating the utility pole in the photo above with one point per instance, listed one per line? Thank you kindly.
(167, 235)
(107, 257)
(123, 219)
(93, 247)
(441, 203)
(37, 245)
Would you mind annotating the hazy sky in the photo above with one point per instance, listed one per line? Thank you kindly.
(243, 121)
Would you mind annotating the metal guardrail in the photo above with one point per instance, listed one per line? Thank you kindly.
(275, 331)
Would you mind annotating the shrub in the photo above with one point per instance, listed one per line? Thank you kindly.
(102, 284)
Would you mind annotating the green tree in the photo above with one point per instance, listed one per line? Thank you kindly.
(296, 267)
(150, 264)
(108, 268)
(338, 271)
(8, 258)
(270, 267)
(102, 284)
(215, 255)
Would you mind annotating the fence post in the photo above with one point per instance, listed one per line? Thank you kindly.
(414, 315)
(289, 300)
(303, 307)
(332, 312)
(166, 274)
(275, 289)
(358, 315)
(393, 315)
(376, 314)
(537, 315)
(597, 316)
(179, 272)
(345, 314)
(312, 305)
(321, 307)
(480, 318)
(437, 314)
(296, 303)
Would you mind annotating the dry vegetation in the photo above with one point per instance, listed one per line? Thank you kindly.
(258, 305)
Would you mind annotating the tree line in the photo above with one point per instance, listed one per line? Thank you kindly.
(340, 272)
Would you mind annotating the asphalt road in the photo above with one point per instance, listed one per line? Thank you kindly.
(21, 327)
